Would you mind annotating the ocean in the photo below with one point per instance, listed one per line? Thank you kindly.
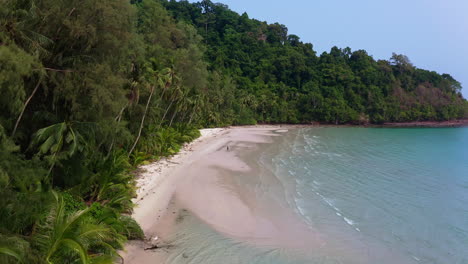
(367, 195)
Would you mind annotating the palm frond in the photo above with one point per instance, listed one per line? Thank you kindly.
(77, 248)
(13, 249)
(76, 237)
(49, 138)
(12, 253)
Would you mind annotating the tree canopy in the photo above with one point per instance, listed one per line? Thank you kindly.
(340, 86)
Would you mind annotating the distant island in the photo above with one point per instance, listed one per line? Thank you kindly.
(92, 89)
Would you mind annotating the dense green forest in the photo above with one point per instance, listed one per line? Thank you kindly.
(90, 89)
(279, 79)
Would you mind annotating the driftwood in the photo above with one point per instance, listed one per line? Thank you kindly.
(153, 247)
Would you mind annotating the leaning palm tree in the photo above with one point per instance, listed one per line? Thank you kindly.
(175, 96)
(142, 123)
(164, 79)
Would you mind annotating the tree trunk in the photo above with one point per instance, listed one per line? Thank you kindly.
(193, 111)
(173, 116)
(191, 116)
(117, 118)
(172, 98)
(142, 122)
(165, 113)
(190, 120)
(184, 114)
(24, 107)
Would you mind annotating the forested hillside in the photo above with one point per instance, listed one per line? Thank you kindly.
(92, 88)
(278, 78)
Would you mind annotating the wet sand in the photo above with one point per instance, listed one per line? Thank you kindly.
(204, 183)
(220, 182)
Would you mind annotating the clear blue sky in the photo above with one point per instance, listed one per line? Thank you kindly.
(432, 33)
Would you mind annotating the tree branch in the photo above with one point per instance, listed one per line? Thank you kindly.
(58, 70)
(24, 107)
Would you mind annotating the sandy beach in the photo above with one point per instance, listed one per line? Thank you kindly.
(226, 187)
(201, 180)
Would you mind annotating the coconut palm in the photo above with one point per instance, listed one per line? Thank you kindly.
(142, 123)
(75, 238)
(164, 79)
(62, 140)
(112, 185)
(175, 96)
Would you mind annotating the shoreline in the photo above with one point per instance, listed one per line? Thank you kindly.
(433, 124)
(155, 188)
(200, 182)
(210, 168)
(411, 124)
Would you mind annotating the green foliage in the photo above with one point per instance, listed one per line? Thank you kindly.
(17, 173)
(72, 203)
(13, 249)
(111, 185)
(273, 73)
(167, 141)
(61, 141)
(121, 224)
(67, 238)
(16, 69)
(17, 214)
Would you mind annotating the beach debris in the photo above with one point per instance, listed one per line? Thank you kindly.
(152, 247)
(151, 243)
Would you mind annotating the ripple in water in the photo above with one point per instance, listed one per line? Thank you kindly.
(401, 189)
(375, 195)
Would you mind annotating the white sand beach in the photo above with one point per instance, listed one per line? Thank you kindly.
(199, 179)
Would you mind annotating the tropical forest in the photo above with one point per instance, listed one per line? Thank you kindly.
(90, 89)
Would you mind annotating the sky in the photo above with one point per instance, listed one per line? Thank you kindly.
(432, 33)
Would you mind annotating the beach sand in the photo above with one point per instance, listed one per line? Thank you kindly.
(201, 180)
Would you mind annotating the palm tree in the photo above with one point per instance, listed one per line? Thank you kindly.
(112, 185)
(197, 106)
(175, 96)
(75, 238)
(182, 106)
(62, 140)
(142, 123)
(164, 79)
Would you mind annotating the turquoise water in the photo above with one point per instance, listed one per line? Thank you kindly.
(375, 195)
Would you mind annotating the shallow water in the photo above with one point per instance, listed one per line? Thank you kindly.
(374, 195)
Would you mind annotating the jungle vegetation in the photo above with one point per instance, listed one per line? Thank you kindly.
(92, 88)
